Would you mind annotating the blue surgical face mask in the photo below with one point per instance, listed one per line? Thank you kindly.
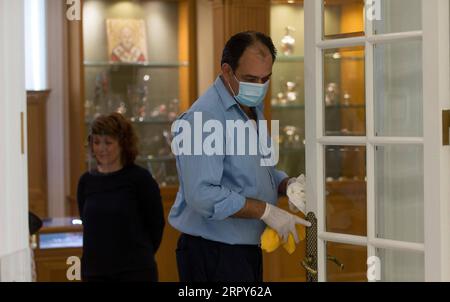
(251, 94)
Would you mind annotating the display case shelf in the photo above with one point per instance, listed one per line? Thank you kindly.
(61, 240)
(288, 106)
(136, 65)
(344, 133)
(152, 121)
(301, 106)
(290, 150)
(153, 159)
(287, 59)
(342, 106)
(148, 121)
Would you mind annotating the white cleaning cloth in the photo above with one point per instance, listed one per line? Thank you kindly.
(296, 194)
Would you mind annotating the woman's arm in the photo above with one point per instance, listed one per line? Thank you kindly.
(81, 196)
(152, 209)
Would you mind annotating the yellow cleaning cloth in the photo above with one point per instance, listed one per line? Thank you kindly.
(270, 240)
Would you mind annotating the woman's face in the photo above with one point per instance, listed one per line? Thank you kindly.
(106, 150)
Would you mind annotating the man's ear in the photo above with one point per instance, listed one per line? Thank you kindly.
(227, 71)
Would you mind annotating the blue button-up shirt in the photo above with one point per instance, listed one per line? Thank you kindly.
(213, 188)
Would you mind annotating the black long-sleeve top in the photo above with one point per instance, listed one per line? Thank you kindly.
(122, 218)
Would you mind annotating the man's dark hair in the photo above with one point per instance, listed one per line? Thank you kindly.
(238, 43)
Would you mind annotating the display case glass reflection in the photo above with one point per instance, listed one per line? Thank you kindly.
(344, 91)
(344, 18)
(60, 233)
(287, 99)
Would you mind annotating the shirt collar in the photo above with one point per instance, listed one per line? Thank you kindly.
(225, 96)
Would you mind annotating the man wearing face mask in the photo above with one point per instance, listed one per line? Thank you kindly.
(225, 201)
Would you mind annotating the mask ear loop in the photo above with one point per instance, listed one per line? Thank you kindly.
(232, 90)
(229, 85)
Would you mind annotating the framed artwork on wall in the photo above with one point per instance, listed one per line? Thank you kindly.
(127, 40)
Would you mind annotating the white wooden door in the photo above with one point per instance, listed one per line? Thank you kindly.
(376, 82)
(15, 262)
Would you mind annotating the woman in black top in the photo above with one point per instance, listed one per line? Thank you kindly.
(120, 206)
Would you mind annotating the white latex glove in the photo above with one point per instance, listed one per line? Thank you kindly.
(282, 222)
(296, 194)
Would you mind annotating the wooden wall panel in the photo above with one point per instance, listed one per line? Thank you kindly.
(166, 256)
(76, 111)
(51, 264)
(233, 16)
(187, 53)
(37, 152)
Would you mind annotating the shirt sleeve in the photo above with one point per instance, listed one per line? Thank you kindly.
(279, 176)
(201, 177)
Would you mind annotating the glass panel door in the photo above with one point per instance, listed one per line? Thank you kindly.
(398, 156)
(365, 137)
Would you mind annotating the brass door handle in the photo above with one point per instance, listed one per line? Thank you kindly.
(306, 263)
(336, 261)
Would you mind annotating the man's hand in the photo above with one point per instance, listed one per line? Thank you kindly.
(282, 222)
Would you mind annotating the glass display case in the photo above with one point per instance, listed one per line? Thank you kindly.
(59, 240)
(136, 62)
(287, 99)
(60, 233)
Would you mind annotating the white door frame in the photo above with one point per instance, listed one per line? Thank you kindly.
(435, 37)
(437, 157)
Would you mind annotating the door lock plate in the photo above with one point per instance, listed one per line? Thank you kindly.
(445, 127)
(310, 262)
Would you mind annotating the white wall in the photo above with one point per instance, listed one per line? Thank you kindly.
(35, 45)
(14, 246)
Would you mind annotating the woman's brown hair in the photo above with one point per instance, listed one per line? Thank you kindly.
(116, 126)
